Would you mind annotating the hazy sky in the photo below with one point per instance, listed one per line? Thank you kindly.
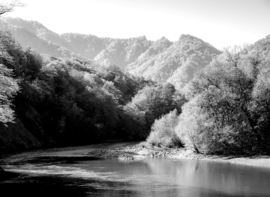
(221, 23)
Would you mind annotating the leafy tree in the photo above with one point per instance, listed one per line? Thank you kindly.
(163, 131)
(192, 123)
(8, 90)
(153, 102)
(33, 64)
(227, 119)
(157, 100)
(8, 84)
(259, 108)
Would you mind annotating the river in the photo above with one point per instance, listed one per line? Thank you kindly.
(54, 174)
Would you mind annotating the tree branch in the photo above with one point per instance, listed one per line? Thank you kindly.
(9, 7)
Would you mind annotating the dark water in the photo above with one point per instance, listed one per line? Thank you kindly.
(54, 176)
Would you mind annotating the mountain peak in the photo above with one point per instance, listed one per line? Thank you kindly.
(186, 39)
(189, 37)
(162, 40)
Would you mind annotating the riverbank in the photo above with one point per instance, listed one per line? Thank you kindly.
(128, 152)
(142, 150)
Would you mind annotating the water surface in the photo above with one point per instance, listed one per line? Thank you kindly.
(86, 176)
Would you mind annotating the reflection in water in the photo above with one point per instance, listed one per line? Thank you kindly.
(151, 177)
(211, 178)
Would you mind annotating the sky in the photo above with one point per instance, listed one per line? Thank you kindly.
(222, 23)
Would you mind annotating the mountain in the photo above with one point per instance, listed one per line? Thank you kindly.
(35, 35)
(161, 60)
(141, 64)
(196, 55)
(174, 62)
(122, 52)
(86, 45)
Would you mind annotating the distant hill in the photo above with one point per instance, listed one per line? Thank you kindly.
(162, 60)
(35, 35)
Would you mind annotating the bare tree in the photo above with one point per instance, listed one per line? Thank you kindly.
(8, 6)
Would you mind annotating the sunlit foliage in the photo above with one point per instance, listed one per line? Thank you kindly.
(227, 112)
(163, 131)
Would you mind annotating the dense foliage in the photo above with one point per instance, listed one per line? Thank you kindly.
(228, 106)
(163, 131)
(149, 104)
(228, 111)
(9, 87)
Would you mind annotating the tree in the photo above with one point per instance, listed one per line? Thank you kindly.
(192, 122)
(8, 88)
(229, 116)
(9, 6)
(163, 131)
(157, 100)
(33, 65)
(260, 107)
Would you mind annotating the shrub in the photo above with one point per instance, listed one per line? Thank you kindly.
(163, 131)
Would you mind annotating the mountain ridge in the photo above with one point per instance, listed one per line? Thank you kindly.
(160, 60)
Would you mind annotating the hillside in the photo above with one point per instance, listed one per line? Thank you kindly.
(162, 60)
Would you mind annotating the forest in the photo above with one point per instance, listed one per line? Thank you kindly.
(71, 102)
(53, 101)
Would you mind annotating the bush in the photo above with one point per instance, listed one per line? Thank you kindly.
(163, 131)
